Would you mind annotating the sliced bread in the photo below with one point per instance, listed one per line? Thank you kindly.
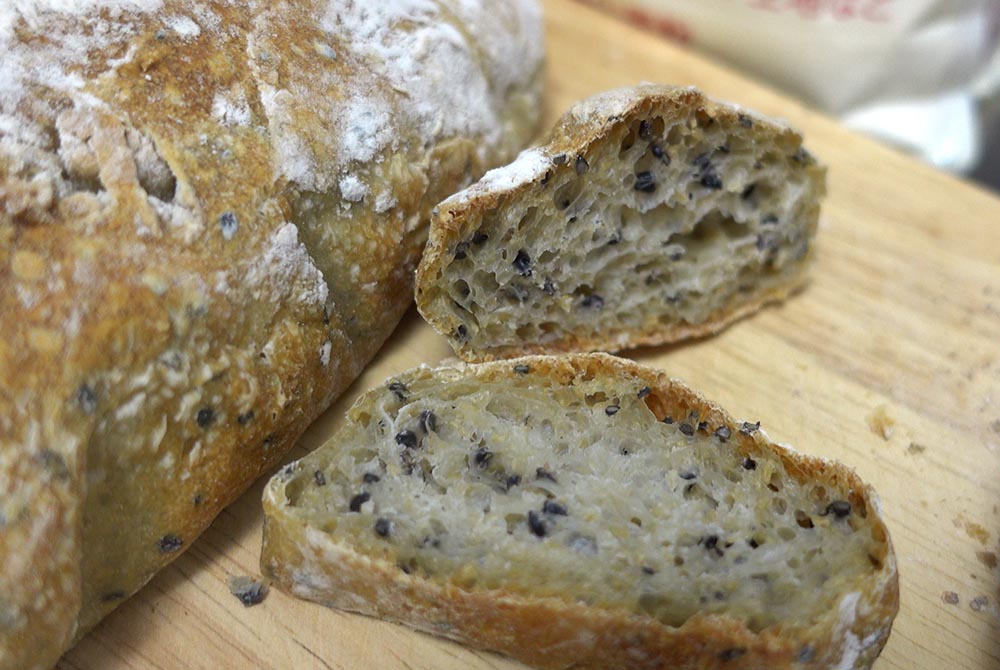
(651, 215)
(584, 511)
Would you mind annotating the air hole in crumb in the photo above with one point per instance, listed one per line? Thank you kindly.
(786, 534)
(461, 288)
(803, 519)
(779, 505)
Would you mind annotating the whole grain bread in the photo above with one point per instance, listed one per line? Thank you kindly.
(587, 512)
(651, 214)
(210, 214)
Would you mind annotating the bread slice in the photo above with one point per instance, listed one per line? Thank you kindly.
(651, 215)
(587, 512)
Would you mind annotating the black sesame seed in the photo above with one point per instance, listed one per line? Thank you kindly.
(479, 237)
(549, 288)
(711, 541)
(744, 120)
(536, 524)
(611, 410)
(513, 481)
(407, 438)
(253, 594)
(112, 596)
(546, 177)
(748, 191)
(428, 421)
(522, 263)
(581, 165)
(749, 464)
(482, 457)
(702, 426)
(675, 298)
(370, 478)
(87, 399)
(668, 420)
(170, 543)
(551, 507)
(461, 250)
(382, 527)
(560, 159)
(711, 181)
(687, 474)
(806, 654)
(686, 428)
(749, 428)
(592, 301)
(205, 417)
(228, 225)
(753, 543)
(461, 333)
(645, 182)
(702, 161)
(54, 463)
(357, 501)
(542, 473)
(646, 570)
(399, 388)
(319, 478)
(645, 129)
(731, 654)
(245, 418)
(522, 369)
(723, 433)
(198, 499)
(839, 508)
(660, 153)
(769, 220)
(643, 392)
(722, 149)
(802, 156)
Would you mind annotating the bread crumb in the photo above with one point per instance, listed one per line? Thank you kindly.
(979, 603)
(881, 423)
(249, 591)
(987, 558)
(950, 597)
(915, 448)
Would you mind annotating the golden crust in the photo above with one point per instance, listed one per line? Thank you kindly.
(585, 125)
(210, 214)
(554, 633)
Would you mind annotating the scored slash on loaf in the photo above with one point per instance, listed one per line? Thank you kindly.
(584, 511)
(652, 214)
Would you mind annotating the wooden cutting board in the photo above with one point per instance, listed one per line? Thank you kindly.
(888, 361)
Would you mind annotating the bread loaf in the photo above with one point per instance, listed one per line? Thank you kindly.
(652, 214)
(210, 214)
(584, 512)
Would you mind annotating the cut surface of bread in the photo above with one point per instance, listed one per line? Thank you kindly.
(485, 502)
(651, 215)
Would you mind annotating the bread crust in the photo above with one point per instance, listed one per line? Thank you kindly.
(210, 214)
(586, 125)
(556, 633)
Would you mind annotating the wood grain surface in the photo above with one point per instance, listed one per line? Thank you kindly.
(888, 361)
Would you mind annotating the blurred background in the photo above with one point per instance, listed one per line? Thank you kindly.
(922, 75)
